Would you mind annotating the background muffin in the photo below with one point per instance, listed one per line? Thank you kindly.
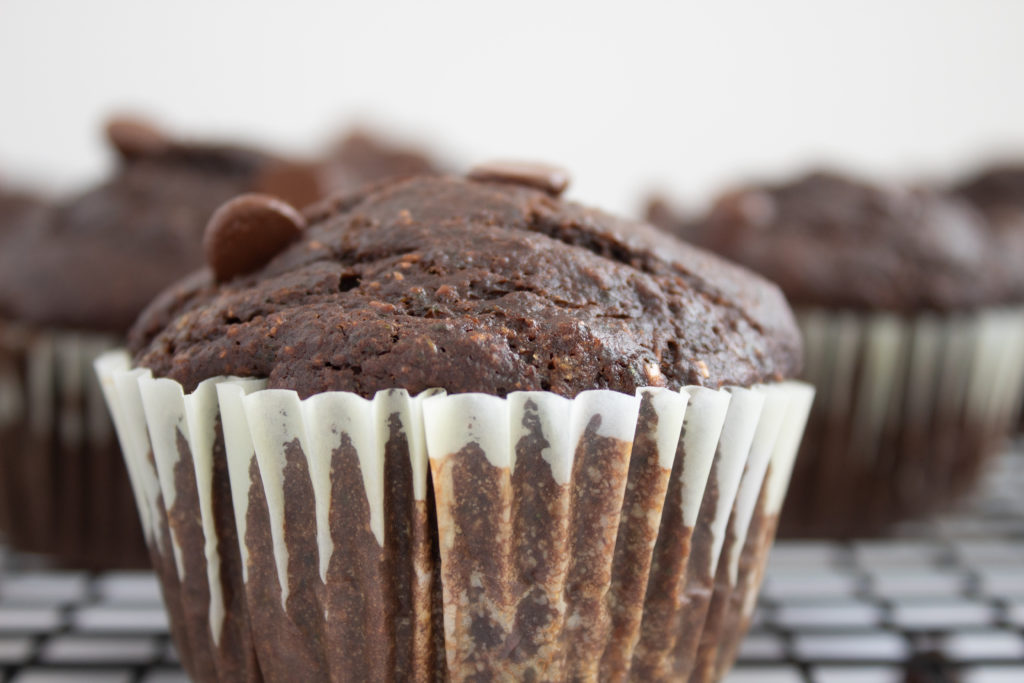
(15, 206)
(73, 276)
(998, 192)
(362, 157)
(565, 338)
(900, 294)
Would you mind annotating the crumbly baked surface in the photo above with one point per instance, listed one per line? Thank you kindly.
(473, 286)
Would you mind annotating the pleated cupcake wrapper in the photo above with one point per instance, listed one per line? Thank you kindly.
(921, 395)
(908, 369)
(47, 383)
(468, 536)
(59, 456)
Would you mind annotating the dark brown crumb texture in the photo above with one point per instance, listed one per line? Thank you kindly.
(473, 286)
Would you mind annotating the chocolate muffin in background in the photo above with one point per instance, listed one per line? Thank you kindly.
(662, 212)
(16, 206)
(998, 190)
(99, 257)
(18, 209)
(363, 157)
(913, 330)
(998, 193)
(73, 277)
(595, 495)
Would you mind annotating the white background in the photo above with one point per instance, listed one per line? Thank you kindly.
(628, 95)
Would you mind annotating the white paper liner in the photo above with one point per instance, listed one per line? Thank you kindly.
(55, 389)
(762, 448)
(707, 408)
(60, 452)
(892, 391)
(239, 452)
(776, 477)
(734, 448)
(738, 435)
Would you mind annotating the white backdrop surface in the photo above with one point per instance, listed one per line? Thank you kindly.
(628, 95)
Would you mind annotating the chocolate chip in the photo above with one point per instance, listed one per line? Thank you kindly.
(248, 231)
(135, 138)
(551, 179)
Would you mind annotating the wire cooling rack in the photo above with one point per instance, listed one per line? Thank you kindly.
(938, 601)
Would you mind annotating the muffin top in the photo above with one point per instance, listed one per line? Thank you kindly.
(93, 261)
(485, 285)
(834, 242)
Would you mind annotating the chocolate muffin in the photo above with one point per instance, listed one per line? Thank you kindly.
(362, 158)
(908, 306)
(18, 209)
(548, 297)
(577, 504)
(73, 277)
(15, 209)
(16, 206)
(99, 257)
(996, 190)
(998, 193)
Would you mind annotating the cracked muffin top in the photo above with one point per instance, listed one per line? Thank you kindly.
(94, 260)
(831, 241)
(482, 284)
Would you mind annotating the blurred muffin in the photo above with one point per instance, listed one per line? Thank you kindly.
(362, 157)
(577, 505)
(998, 192)
(99, 257)
(912, 326)
(16, 206)
(72, 279)
(668, 215)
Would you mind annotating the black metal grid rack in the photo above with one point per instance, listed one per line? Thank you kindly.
(942, 600)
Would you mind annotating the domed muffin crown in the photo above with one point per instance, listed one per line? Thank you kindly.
(483, 284)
